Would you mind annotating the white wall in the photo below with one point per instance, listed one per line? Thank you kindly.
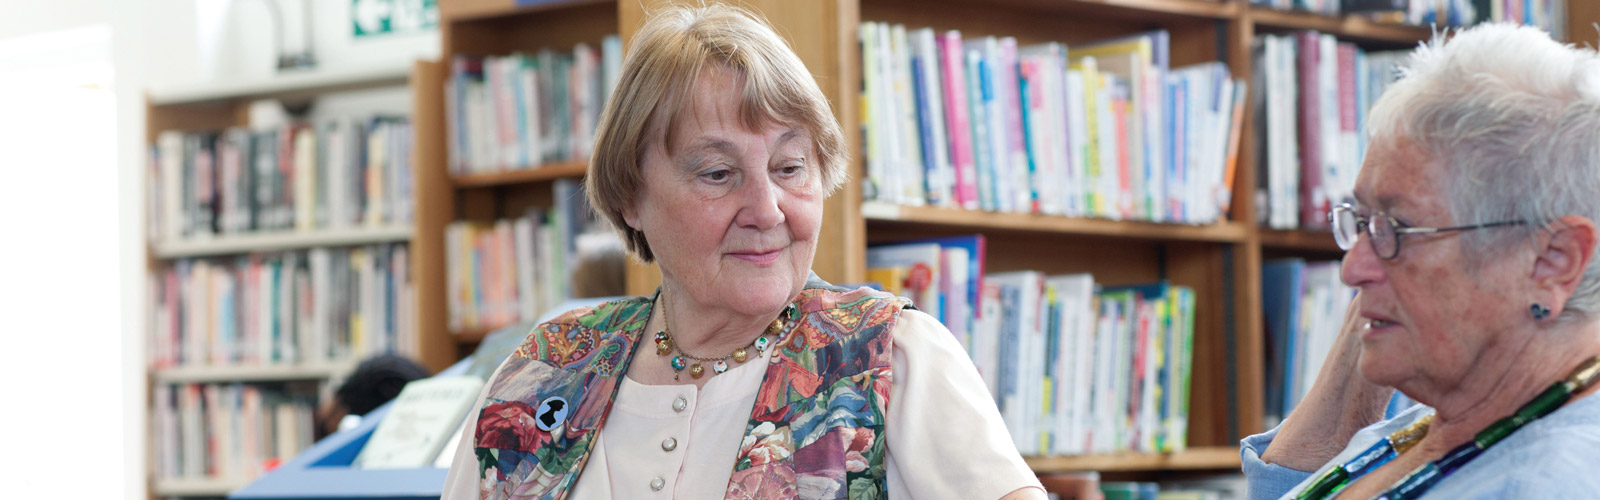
(26, 17)
(159, 43)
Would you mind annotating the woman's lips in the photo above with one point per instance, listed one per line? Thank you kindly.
(757, 257)
(1377, 324)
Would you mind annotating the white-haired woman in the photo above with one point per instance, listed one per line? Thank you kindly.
(744, 376)
(1472, 242)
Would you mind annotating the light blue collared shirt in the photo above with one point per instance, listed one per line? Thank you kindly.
(1557, 456)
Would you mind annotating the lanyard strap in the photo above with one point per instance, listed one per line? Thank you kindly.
(1422, 479)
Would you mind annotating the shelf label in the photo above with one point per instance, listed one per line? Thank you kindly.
(370, 18)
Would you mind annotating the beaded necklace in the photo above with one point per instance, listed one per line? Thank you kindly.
(665, 346)
(1422, 479)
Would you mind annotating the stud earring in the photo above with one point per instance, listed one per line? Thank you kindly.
(1539, 311)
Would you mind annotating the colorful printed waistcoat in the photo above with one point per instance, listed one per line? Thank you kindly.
(818, 418)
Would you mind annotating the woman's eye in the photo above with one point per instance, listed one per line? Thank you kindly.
(716, 175)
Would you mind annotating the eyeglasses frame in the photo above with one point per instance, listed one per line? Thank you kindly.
(1400, 229)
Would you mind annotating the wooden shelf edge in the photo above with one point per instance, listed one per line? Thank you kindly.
(278, 240)
(1204, 458)
(481, 11)
(470, 335)
(271, 373)
(1195, 8)
(197, 487)
(319, 81)
(1349, 26)
(1317, 241)
(542, 173)
(1225, 232)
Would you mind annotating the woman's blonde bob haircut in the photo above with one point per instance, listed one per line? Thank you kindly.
(673, 48)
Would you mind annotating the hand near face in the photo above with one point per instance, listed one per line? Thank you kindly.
(1339, 403)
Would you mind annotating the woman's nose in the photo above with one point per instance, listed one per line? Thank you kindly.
(1361, 264)
(760, 209)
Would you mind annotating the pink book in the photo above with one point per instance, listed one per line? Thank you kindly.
(1348, 135)
(1312, 210)
(1016, 150)
(960, 127)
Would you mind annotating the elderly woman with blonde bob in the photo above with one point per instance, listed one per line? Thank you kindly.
(744, 375)
(1472, 242)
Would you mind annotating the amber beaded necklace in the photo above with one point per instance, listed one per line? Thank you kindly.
(1422, 479)
(665, 346)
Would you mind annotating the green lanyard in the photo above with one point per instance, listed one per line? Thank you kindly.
(1422, 479)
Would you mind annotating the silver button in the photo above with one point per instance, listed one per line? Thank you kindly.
(669, 444)
(680, 404)
(657, 484)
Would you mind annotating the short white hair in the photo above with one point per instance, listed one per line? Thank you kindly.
(1514, 118)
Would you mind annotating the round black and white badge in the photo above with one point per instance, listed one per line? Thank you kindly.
(552, 413)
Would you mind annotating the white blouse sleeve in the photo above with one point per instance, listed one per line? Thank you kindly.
(462, 481)
(942, 422)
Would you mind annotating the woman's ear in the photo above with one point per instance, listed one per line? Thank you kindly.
(631, 216)
(1564, 254)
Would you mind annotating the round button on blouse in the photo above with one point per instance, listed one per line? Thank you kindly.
(669, 444)
(657, 483)
(678, 405)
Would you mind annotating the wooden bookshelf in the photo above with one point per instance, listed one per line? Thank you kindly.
(196, 487)
(245, 373)
(1309, 241)
(278, 241)
(542, 173)
(287, 85)
(486, 28)
(217, 106)
(1218, 458)
(1226, 232)
(477, 10)
(1352, 28)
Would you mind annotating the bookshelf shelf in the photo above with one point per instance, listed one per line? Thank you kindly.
(470, 10)
(285, 86)
(1121, 8)
(1227, 232)
(547, 172)
(470, 335)
(197, 487)
(1315, 241)
(270, 373)
(1349, 27)
(276, 241)
(1205, 458)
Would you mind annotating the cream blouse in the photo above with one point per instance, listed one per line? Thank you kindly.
(945, 437)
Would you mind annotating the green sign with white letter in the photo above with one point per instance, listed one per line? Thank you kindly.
(371, 18)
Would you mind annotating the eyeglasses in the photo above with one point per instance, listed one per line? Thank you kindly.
(1384, 230)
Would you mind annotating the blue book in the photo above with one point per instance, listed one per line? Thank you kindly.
(932, 195)
(1282, 282)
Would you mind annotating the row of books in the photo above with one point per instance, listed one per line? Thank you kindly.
(1075, 367)
(1303, 306)
(1104, 129)
(334, 174)
(1550, 15)
(227, 431)
(1313, 99)
(523, 110)
(512, 270)
(316, 306)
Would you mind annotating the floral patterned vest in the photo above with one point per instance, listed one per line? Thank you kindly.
(816, 431)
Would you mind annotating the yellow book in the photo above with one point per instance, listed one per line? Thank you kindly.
(1092, 82)
(892, 278)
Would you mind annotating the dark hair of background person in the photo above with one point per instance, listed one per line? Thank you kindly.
(376, 381)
